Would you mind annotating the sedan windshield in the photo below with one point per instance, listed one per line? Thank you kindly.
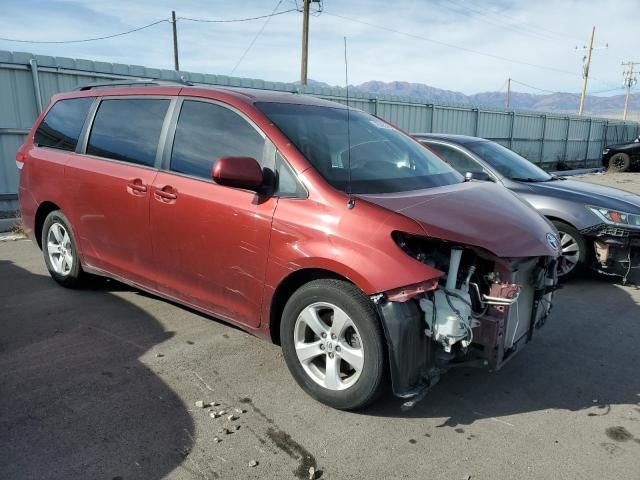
(508, 162)
(380, 158)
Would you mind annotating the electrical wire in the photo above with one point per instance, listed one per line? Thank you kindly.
(253, 41)
(514, 21)
(457, 47)
(481, 16)
(191, 19)
(532, 87)
(88, 39)
(106, 37)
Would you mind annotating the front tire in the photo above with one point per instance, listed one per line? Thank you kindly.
(61, 251)
(574, 251)
(333, 344)
(620, 162)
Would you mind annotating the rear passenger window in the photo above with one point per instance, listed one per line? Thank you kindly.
(63, 123)
(206, 132)
(128, 129)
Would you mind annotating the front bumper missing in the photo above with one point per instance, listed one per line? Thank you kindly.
(416, 362)
(617, 250)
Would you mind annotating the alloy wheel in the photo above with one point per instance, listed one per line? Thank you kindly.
(328, 346)
(570, 250)
(59, 249)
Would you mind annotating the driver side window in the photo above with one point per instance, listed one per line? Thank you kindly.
(461, 162)
(207, 131)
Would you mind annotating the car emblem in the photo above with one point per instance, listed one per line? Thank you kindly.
(553, 241)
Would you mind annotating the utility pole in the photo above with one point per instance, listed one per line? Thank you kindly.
(585, 73)
(305, 41)
(508, 97)
(175, 41)
(630, 80)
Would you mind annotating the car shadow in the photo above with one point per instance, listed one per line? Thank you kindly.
(584, 359)
(76, 400)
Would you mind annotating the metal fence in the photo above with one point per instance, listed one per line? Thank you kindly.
(28, 81)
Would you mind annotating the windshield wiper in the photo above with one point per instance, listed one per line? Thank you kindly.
(527, 179)
(532, 180)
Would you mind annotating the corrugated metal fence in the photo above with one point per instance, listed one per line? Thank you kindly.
(28, 81)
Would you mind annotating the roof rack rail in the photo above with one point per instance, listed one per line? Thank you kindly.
(128, 83)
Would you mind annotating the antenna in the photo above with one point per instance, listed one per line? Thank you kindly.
(351, 202)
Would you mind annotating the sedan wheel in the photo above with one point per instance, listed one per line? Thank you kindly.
(573, 249)
(570, 253)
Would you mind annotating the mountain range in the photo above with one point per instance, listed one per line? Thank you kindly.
(559, 103)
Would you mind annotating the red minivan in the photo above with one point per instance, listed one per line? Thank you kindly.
(321, 228)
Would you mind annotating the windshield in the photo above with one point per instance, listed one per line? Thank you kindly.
(382, 159)
(508, 163)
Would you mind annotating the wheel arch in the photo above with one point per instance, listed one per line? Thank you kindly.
(553, 218)
(285, 289)
(44, 209)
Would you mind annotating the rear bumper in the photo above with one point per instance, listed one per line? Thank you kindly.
(28, 209)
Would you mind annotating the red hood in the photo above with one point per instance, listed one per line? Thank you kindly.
(475, 213)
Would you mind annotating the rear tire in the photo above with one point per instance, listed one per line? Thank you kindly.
(333, 344)
(574, 251)
(620, 162)
(61, 251)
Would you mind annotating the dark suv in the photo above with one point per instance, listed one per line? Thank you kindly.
(622, 157)
(324, 229)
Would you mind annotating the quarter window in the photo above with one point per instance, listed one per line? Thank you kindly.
(128, 129)
(63, 123)
(205, 132)
(288, 184)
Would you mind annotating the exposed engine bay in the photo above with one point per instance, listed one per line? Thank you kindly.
(479, 313)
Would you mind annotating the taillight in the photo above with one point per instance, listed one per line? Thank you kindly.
(20, 156)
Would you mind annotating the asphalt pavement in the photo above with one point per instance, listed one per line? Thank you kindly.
(102, 383)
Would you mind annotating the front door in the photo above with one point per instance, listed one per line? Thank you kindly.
(211, 242)
(111, 186)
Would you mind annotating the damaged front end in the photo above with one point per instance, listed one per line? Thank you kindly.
(479, 313)
(617, 250)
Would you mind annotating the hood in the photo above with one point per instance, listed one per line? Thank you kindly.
(586, 194)
(475, 213)
(624, 146)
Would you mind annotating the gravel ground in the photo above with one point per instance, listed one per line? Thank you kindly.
(624, 181)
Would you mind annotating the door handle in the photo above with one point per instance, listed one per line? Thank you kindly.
(166, 193)
(136, 186)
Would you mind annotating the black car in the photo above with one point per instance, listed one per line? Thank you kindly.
(622, 157)
(599, 226)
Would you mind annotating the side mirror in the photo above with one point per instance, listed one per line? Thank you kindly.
(238, 172)
(481, 175)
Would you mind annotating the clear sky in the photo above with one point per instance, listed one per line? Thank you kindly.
(539, 32)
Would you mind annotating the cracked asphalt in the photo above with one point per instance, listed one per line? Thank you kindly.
(101, 383)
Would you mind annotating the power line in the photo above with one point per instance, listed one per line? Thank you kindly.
(457, 47)
(88, 39)
(532, 87)
(514, 21)
(480, 15)
(253, 41)
(606, 91)
(157, 22)
(190, 19)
